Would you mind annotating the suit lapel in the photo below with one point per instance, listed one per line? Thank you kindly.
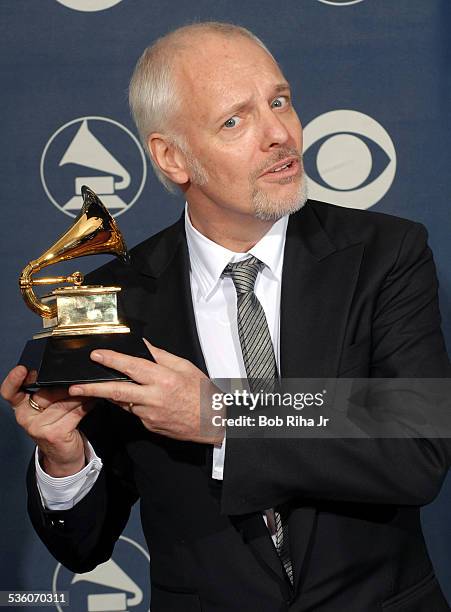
(318, 283)
(170, 320)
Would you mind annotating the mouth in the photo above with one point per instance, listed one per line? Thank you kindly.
(284, 168)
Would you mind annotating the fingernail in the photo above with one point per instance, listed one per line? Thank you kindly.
(96, 356)
(76, 390)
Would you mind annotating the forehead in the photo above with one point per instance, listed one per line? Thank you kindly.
(217, 71)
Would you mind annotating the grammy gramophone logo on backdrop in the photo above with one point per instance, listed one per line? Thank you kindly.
(120, 584)
(94, 151)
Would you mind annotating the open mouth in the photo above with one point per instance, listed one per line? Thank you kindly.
(285, 167)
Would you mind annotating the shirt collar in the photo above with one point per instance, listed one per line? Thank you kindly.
(208, 259)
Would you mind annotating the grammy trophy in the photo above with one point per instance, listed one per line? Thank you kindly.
(78, 318)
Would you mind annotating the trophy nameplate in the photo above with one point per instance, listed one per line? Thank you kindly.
(79, 318)
(84, 310)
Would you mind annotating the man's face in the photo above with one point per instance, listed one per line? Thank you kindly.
(243, 134)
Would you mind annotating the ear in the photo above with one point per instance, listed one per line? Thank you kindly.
(168, 158)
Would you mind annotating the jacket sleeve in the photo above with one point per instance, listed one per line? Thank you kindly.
(407, 342)
(84, 536)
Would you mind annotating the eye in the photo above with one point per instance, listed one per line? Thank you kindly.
(232, 122)
(351, 160)
(279, 102)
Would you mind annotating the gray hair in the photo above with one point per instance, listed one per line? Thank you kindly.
(153, 93)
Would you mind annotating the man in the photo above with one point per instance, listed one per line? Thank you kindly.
(245, 524)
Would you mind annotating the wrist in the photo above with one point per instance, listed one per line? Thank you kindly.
(219, 437)
(61, 469)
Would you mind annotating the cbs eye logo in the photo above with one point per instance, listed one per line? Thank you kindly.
(350, 159)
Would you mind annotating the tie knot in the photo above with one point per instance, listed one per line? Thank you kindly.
(244, 273)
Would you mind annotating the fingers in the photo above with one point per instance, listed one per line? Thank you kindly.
(54, 397)
(11, 386)
(12, 392)
(164, 358)
(59, 409)
(69, 415)
(122, 393)
(50, 413)
(140, 370)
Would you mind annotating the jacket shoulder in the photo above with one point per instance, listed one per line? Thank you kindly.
(157, 247)
(350, 225)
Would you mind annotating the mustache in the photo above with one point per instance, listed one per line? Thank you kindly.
(278, 155)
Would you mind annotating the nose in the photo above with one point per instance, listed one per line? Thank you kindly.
(274, 131)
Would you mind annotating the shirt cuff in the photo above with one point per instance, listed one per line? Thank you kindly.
(63, 493)
(217, 471)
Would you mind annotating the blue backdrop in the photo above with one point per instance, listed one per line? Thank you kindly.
(372, 85)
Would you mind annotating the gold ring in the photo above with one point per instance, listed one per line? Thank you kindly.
(130, 406)
(34, 404)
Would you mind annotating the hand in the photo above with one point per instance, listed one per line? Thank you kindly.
(54, 428)
(165, 395)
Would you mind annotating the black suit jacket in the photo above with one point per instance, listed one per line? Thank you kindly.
(359, 299)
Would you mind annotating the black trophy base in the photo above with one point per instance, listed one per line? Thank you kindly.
(63, 361)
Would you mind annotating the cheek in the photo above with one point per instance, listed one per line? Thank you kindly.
(301, 138)
(231, 167)
(297, 131)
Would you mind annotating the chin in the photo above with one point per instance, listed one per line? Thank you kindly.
(270, 207)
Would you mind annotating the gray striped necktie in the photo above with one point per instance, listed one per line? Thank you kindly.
(259, 360)
(255, 339)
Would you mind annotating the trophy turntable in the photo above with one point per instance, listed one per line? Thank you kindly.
(78, 318)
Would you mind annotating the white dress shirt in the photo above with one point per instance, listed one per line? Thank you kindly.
(214, 302)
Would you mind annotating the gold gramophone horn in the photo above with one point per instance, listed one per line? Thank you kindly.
(94, 232)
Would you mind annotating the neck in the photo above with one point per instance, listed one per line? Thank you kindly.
(237, 232)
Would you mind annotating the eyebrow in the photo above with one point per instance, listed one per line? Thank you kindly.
(240, 106)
